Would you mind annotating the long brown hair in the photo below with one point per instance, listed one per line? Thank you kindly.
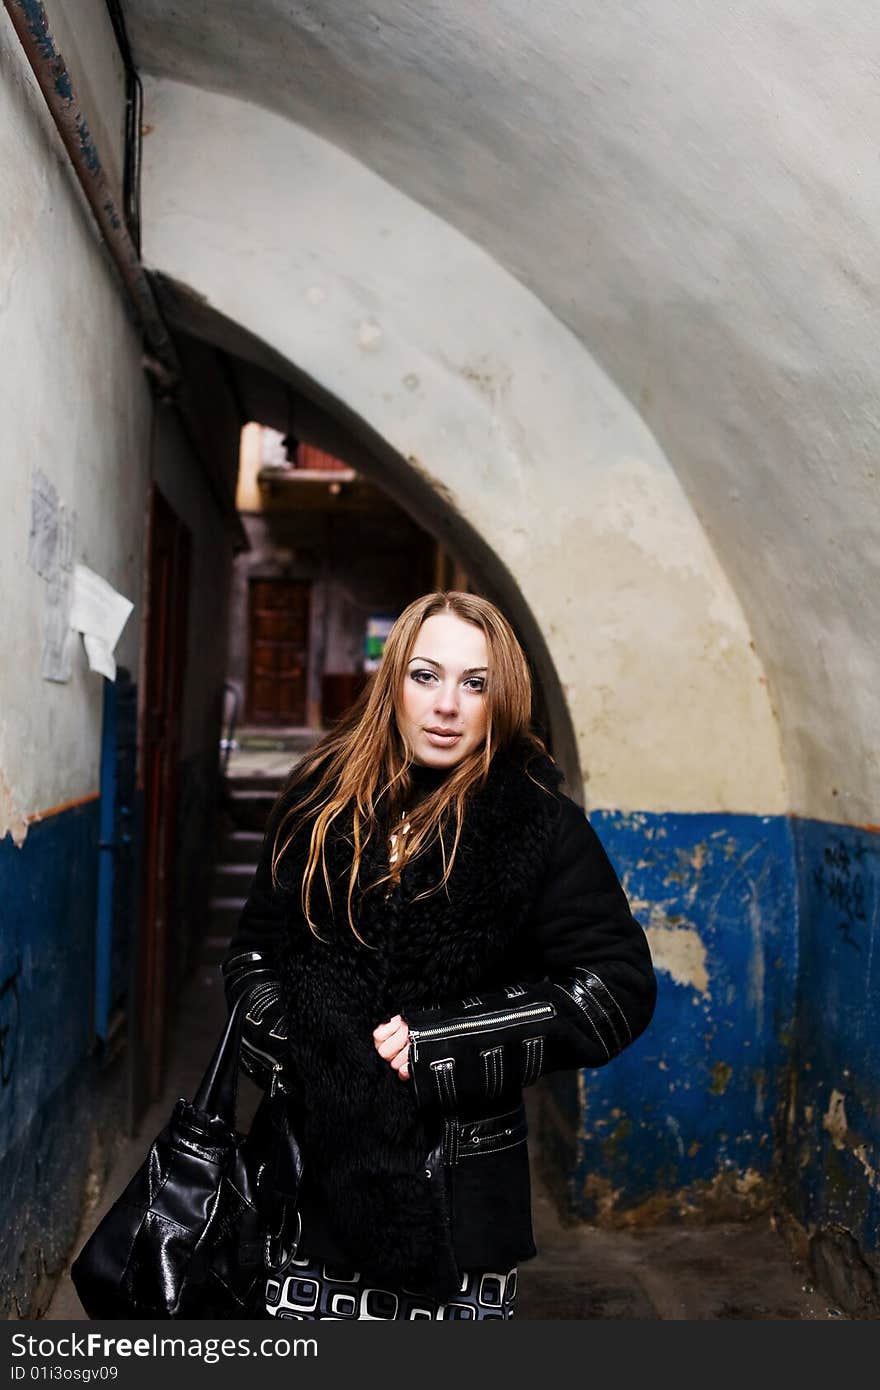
(363, 761)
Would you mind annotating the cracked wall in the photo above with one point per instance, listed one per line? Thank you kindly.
(76, 416)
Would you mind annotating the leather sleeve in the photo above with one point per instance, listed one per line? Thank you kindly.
(251, 966)
(596, 994)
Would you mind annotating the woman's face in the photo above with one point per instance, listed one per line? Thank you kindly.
(443, 709)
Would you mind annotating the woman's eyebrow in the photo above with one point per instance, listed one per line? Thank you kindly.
(429, 661)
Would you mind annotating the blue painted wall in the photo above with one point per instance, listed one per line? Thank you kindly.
(64, 1098)
(48, 895)
(763, 1086)
(754, 1071)
(832, 1165)
(47, 1107)
(683, 1122)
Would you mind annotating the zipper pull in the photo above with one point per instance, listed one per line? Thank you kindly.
(276, 1079)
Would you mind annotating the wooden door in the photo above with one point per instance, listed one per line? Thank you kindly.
(167, 607)
(279, 651)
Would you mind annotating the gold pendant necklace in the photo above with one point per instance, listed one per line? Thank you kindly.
(397, 847)
(398, 835)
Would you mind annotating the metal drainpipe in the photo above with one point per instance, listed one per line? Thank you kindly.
(31, 24)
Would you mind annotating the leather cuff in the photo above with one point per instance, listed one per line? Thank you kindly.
(264, 1024)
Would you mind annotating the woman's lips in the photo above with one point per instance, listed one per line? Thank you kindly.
(442, 740)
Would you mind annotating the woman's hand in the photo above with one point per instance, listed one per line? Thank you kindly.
(391, 1040)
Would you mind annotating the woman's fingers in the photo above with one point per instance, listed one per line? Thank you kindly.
(391, 1041)
(384, 1029)
(399, 1063)
(394, 1043)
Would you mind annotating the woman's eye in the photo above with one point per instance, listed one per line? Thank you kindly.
(473, 683)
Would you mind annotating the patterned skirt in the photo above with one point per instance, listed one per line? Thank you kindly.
(309, 1292)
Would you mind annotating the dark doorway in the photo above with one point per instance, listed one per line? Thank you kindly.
(278, 651)
(166, 635)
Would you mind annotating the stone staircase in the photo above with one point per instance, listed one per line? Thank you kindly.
(247, 803)
(249, 790)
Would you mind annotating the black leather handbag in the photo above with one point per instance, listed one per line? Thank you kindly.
(207, 1216)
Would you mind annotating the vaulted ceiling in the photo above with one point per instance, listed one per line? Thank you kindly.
(695, 192)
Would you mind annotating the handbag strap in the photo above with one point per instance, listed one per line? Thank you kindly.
(219, 1086)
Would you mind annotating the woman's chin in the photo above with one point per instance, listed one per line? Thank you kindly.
(433, 758)
(430, 755)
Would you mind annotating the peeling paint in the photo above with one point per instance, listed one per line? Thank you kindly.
(838, 1034)
(598, 1190)
(871, 1173)
(707, 1013)
(680, 953)
(731, 1194)
(615, 1141)
(834, 1120)
(836, 1124)
(673, 1125)
(698, 857)
(13, 822)
(721, 1074)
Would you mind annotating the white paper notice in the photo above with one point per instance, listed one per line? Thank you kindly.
(101, 658)
(100, 614)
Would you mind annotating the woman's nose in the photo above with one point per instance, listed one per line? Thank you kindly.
(447, 698)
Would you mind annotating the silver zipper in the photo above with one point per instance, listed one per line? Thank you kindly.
(478, 1024)
(276, 1066)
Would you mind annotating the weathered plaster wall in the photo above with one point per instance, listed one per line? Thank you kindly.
(75, 405)
(466, 374)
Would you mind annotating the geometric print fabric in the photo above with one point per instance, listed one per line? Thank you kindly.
(313, 1292)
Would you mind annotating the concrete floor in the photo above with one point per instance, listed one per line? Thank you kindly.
(668, 1273)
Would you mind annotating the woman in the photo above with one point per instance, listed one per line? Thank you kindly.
(433, 926)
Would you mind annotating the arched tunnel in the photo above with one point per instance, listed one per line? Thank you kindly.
(589, 295)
